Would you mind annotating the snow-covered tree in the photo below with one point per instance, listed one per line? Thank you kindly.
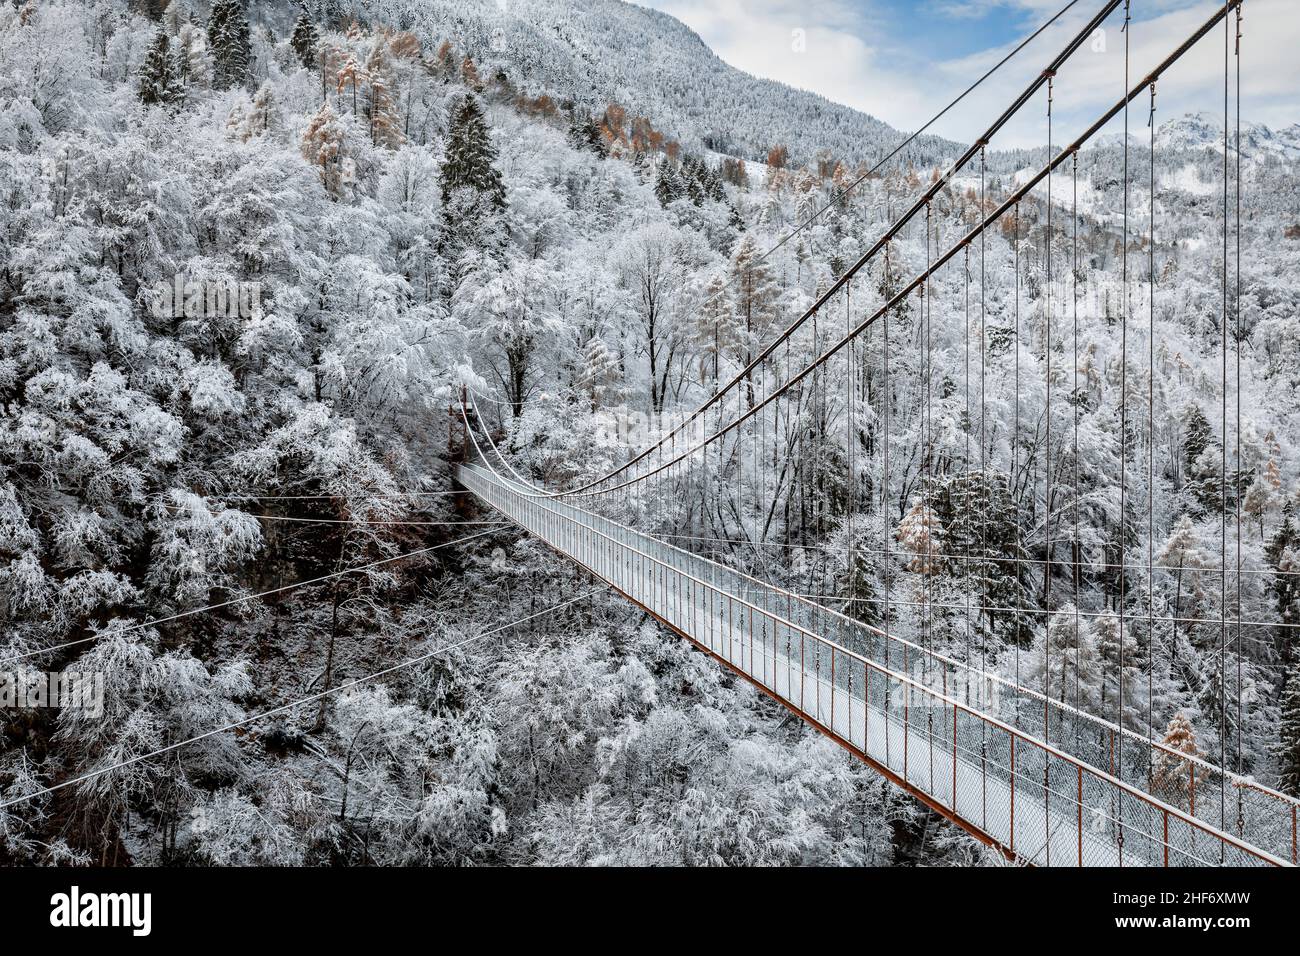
(470, 157)
(159, 83)
(325, 146)
(304, 40)
(920, 539)
(228, 39)
(1173, 776)
(652, 263)
(1182, 553)
(1288, 745)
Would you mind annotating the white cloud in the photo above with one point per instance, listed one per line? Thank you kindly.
(840, 56)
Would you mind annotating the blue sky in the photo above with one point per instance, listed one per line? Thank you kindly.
(950, 28)
(901, 60)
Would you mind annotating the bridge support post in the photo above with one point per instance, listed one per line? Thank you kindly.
(1166, 837)
(954, 758)
(1080, 809)
(1013, 793)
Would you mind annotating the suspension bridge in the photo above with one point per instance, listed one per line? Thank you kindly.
(1021, 768)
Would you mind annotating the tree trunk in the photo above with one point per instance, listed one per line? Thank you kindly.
(329, 662)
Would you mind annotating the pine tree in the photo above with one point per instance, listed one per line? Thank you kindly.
(1198, 435)
(473, 194)
(1288, 749)
(1200, 461)
(470, 161)
(159, 84)
(180, 70)
(304, 40)
(858, 588)
(1210, 490)
(982, 523)
(1284, 537)
(735, 220)
(713, 184)
(692, 180)
(153, 9)
(586, 136)
(668, 184)
(1283, 555)
(228, 38)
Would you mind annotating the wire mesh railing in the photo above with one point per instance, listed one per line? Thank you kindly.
(904, 711)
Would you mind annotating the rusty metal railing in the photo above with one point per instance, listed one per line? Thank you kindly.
(905, 717)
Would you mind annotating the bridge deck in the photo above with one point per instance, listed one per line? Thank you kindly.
(1014, 791)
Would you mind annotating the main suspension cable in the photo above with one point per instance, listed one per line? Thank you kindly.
(1151, 439)
(940, 182)
(1122, 534)
(1009, 203)
(838, 196)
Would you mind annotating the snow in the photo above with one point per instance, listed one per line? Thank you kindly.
(1188, 179)
(1046, 809)
(158, 467)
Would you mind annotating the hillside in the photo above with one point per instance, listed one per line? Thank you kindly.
(250, 260)
(598, 51)
(1205, 131)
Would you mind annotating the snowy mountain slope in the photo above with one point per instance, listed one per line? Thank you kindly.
(598, 51)
(410, 223)
(1188, 167)
(1205, 131)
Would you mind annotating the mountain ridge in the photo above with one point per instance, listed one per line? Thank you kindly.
(1204, 130)
(602, 51)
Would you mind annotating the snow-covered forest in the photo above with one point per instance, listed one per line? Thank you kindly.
(251, 255)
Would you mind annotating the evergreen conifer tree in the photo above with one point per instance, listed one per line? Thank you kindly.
(228, 38)
(473, 194)
(470, 161)
(981, 522)
(159, 84)
(304, 40)
(1198, 435)
(1288, 751)
(668, 184)
(586, 135)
